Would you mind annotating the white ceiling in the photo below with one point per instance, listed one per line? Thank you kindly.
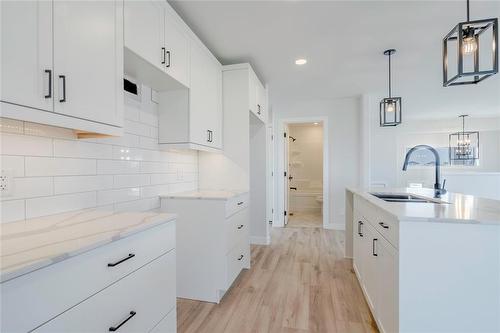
(343, 43)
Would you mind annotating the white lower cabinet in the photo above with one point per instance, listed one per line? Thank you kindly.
(212, 244)
(375, 261)
(98, 289)
(168, 324)
(133, 304)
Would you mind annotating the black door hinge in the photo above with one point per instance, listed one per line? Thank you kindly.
(285, 212)
(285, 134)
(285, 173)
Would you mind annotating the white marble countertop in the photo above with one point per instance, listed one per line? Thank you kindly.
(455, 207)
(28, 245)
(204, 195)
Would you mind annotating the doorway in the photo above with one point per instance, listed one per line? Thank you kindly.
(305, 185)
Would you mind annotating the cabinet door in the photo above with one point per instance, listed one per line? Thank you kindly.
(386, 304)
(358, 245)
(201, 92)
(370, 241)
(88, 60)
(216, 124)
(252, 92)
(27, 53)
(145, 30)
(177, 51)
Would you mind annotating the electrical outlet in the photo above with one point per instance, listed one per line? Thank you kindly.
(6, 182)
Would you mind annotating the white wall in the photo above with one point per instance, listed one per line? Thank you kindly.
(343, 130)
(54, 172)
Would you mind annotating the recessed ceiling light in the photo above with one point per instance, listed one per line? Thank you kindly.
(300, 62)
(316, 123)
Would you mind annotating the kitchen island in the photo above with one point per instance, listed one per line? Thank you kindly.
(426, 264)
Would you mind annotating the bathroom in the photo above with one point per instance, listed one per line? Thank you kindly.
(305, 165)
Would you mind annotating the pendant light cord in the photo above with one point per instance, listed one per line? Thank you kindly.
(468, 11)
(390, 75)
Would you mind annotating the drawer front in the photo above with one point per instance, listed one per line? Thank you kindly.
(25, 302)
(236, 260)
(167, 324)
(237, 229)
(143, 297)
(381, 221)
(236, 204)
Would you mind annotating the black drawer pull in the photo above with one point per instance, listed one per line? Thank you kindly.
(163, 55)
(49, 94)
(115, 328)
(130, 256)
(240, 226)
(168, 57)
(373, 247)
(383, 225)
(360, 231)
(240, 203)
(63, 89)
(241, 257)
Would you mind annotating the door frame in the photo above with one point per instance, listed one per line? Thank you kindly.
(280, 168)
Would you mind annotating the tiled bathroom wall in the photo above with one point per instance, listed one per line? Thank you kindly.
(54, 172)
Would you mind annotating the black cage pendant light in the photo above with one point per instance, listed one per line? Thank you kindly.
(464, 146)
(390, 107)
(470, 51)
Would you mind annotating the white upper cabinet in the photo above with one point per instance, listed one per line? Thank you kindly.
(193, 118)
(145, 30)
(27, 72)
(257, 97)
(156, 35)
(176, 49)
(65, 57)
(88, 66)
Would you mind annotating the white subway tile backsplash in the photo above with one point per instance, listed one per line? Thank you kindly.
(54, 172)
(110, 167)
(59, 204)
(121, 181)
(12, 210)
(74, 184)
(30, 187)
(13, 163)
(81, 149)
(53, 166)
(121, 195)
(17, 144)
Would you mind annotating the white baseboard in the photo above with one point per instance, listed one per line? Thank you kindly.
(260, 240)
(334, 226)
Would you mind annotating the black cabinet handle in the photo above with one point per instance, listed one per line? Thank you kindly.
(208, 136)
(258, 109)
(130, 256)
(383, 225)
(211, 136)
(240, 203)
(373, 247)
(63, 78)
(168, 57)
(360, 232)
(49, 94)
(241, 257)
(115, 328)
(240, 226)
(163, 55)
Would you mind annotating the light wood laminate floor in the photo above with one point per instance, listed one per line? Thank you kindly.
(305, 220)
(300, 283)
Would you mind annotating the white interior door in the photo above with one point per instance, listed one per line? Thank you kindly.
(27, 53)
(88, 59)
(286, 175)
